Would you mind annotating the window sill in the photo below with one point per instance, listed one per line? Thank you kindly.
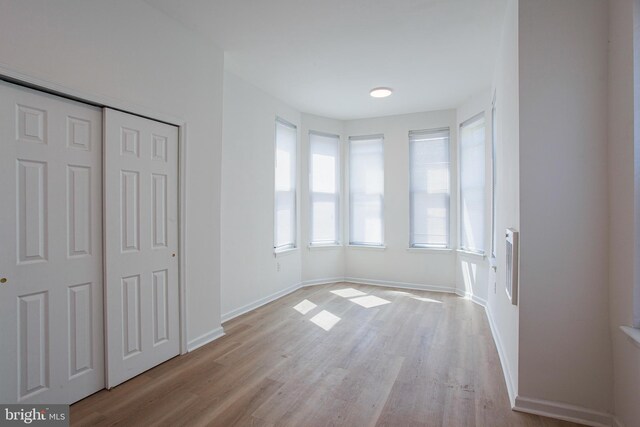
(633, 333)
(480, 255)
(324, 247)
(368, 248)
(284, 252)
(426, 250)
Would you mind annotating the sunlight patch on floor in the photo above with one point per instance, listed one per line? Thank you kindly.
(348, 293)
(370, 301)
(399, 293)
(305, 306)
(426, 299)
(325, 320)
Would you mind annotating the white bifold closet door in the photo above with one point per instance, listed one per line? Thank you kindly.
(51, 294)
(141, 243)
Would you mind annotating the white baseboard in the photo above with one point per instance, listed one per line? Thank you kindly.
(480, 301)
(326, 281)
(259, 303)
(562, 411)
(511, 390)
(329, 280)
(401, 285)
(205, 339)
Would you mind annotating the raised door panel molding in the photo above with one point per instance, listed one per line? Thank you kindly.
(160, 307)
(79, 210)
(131, 320)
(159, 213)
(80, 329)
(32, 211)
(159, 149)
(78, 134)
(33, 344)
(130, 219)
(31, 124)
(129, 142)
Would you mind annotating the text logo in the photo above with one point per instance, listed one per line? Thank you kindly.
(34, 415)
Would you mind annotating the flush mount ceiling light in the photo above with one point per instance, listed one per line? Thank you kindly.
(380, 92)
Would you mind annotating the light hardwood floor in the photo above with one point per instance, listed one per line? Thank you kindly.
(420, 358)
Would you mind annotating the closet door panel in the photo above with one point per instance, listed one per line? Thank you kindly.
(51, 298)
(141, 199)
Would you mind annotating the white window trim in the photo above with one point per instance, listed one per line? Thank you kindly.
(283, 251)
(480, 255)
(449, 246)
(294, 245)
(348, 183)
(367, 247)
(429, 250)
(460, 248)
(340, 186)
(494, 181)
(324, 246)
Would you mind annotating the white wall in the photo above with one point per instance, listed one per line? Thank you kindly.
(430, 268)
(621, 207)
(565, 347)
(249, 267)
(320, 263)
(502, 314)
(132, 53)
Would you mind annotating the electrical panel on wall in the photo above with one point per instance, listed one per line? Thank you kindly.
(512, 265)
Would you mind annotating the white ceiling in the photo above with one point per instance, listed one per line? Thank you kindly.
(323, 56)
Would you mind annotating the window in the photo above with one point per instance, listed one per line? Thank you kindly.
(472, 184)
(429, 188)
(324, 188)
(285, 186)
(494, 140)
(366, 190)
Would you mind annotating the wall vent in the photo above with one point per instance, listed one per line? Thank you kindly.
(512, 265)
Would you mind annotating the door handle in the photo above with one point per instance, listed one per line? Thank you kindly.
(3, 280)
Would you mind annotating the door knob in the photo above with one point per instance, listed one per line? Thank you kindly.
(3, 280)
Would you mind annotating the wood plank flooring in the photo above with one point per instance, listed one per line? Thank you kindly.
(333, 355)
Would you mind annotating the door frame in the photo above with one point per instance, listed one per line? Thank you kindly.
(52, 88)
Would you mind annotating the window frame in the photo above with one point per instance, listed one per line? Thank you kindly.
(351, 243)
(294, 244)
(338, 198)
(494, 177)
(413, 245)
(479, 116)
